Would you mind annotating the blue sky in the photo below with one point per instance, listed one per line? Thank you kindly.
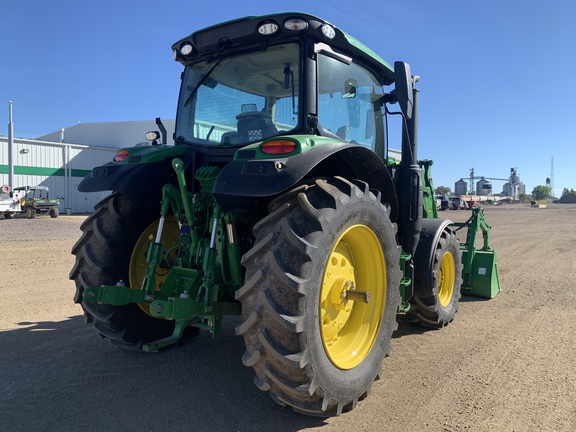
(497, 76)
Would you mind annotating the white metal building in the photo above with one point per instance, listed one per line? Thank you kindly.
(60, 166)
(60, 160)
(109, 134)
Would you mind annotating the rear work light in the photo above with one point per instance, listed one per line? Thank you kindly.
(268, 28)
(186, 48)
(328, 31)
(278, 147)
(121, 155)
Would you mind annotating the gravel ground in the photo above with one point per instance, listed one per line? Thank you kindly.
(505, 364)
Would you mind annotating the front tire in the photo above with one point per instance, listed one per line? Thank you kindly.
(104, 256)
(437, 279)
(312, 347)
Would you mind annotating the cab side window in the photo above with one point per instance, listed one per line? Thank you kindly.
(349, 101)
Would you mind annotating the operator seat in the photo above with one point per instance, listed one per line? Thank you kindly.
(255, 126)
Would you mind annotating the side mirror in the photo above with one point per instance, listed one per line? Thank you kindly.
(404, 87)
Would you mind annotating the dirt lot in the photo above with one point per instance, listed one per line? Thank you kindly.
(506, 364)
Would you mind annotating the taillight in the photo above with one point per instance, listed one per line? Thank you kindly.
(278, 147)
(121, 155)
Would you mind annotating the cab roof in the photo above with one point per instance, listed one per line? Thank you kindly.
(245, 31)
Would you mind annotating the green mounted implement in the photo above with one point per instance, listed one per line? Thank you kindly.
(480, 265)
(278, 203)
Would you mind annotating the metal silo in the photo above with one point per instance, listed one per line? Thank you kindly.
(483, 187)
(460, 187)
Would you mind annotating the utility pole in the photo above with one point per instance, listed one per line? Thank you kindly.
(552, 177)
(10, 147)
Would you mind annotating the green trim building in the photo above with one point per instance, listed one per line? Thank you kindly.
(60, 166)
(61, 159)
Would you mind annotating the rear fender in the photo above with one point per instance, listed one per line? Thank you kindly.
(140, 183)
(242, 184)
(139, 175)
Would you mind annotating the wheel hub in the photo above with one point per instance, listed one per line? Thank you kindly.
(336, 307)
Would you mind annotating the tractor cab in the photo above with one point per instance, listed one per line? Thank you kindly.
(275, 76)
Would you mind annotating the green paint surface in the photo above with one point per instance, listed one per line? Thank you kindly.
(43, 171)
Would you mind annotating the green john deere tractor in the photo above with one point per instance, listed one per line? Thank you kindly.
(278, 202)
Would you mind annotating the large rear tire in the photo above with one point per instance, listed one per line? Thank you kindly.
(437, 281)
(109, 251)
(312, 346)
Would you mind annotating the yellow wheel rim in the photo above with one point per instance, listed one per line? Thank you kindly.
(350, 327)
(446, 278)
(138, 260)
